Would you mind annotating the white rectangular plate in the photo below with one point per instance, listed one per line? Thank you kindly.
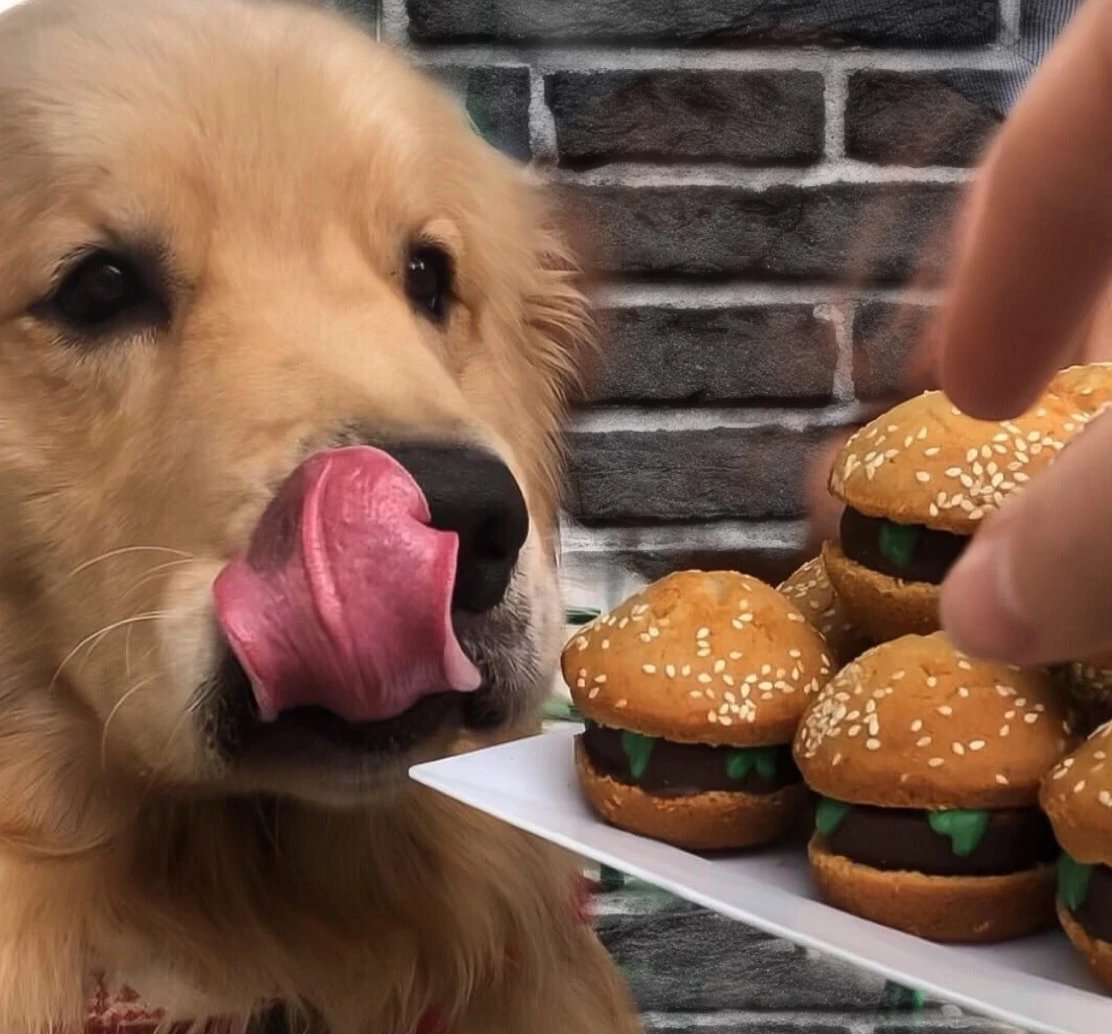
(1037, 983)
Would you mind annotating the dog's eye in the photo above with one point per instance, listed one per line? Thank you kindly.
(428, 281)
(101, 292)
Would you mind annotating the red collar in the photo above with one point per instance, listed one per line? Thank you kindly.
(122, 1011)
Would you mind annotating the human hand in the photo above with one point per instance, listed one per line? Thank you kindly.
(1034, 254)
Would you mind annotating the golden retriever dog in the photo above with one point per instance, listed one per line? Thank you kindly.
(283, 353)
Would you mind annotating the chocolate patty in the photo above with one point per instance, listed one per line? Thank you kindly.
(908, 551)
(667, 769)
(1094, 915)
(899, 839)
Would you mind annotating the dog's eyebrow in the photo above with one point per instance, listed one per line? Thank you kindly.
(445, 234)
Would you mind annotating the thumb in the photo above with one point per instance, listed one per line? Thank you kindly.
(1035, 584)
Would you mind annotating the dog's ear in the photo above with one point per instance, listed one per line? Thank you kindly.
(559, 339)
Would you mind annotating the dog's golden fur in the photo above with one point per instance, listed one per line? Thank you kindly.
(278, 161)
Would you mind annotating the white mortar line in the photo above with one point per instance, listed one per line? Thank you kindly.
(542, 123)
(710, 536)
(840, 316)
(843, 170)
(392, 22)
(554, 58)
(1010, 20)
(835, 93)
(697, 295)
(648, 420)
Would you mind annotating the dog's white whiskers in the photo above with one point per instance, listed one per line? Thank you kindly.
(95, 637)
(154, 571)
(122, 550)
(115, 711)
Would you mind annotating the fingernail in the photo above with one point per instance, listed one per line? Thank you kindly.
(982, 611)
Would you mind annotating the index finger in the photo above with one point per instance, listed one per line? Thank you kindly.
(1038, 249)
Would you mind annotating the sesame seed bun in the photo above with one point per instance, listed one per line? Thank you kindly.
(810, 590)
(883, 607)
(924, 462)
(914, 723)
(1077, 797)
(699, 657)
(950, 909)
(1097, 953)
(712, 821)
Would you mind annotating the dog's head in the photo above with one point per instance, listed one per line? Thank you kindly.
(283, 346)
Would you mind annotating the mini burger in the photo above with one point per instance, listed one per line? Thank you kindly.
(917, 482)
(1077, 796)
(810, 590)
(928, 767)
(691, 692)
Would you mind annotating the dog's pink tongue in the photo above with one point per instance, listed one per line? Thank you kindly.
(343, 600)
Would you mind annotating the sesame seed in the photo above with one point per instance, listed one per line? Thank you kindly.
(1031, 717)
(959, 749)
(704, 677)
(600, 679)
(1079, 786)
(605, 644)
(670, 670)
(685, 670)
(872, 744)
(923, 741)
(976, 744)
(936, 762)
(945, 710)
(1001, 779)
(621, 703)
(703, 633)
(649, 669)
(1105, 798)
(719, 667)
(917, 725)
(594, 691)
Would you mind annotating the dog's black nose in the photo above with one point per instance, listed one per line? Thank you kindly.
(472, 493)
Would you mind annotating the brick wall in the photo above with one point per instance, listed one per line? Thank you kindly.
(760, 179)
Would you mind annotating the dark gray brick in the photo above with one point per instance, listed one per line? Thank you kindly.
(631, 476)
(884, 335)
(897, 118)
(654, 354)
(749, 117)
(844, 231)
(695, 961)
(771, 564)
(497, 99)
(924, 23)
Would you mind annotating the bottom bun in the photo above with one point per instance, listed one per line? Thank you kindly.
(949, 909)
(1097, 953)
(881, 606)
(713, 821)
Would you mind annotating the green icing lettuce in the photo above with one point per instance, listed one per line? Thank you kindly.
(1073, 882)
(965, 828)
(898, 541)
(638, 749)
(829, 814)
(742, 760)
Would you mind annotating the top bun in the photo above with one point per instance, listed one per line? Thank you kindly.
(699, 657)
(1077, 795)
(1088, 388)
(810, 590)
(914, 723)
(925, 462)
